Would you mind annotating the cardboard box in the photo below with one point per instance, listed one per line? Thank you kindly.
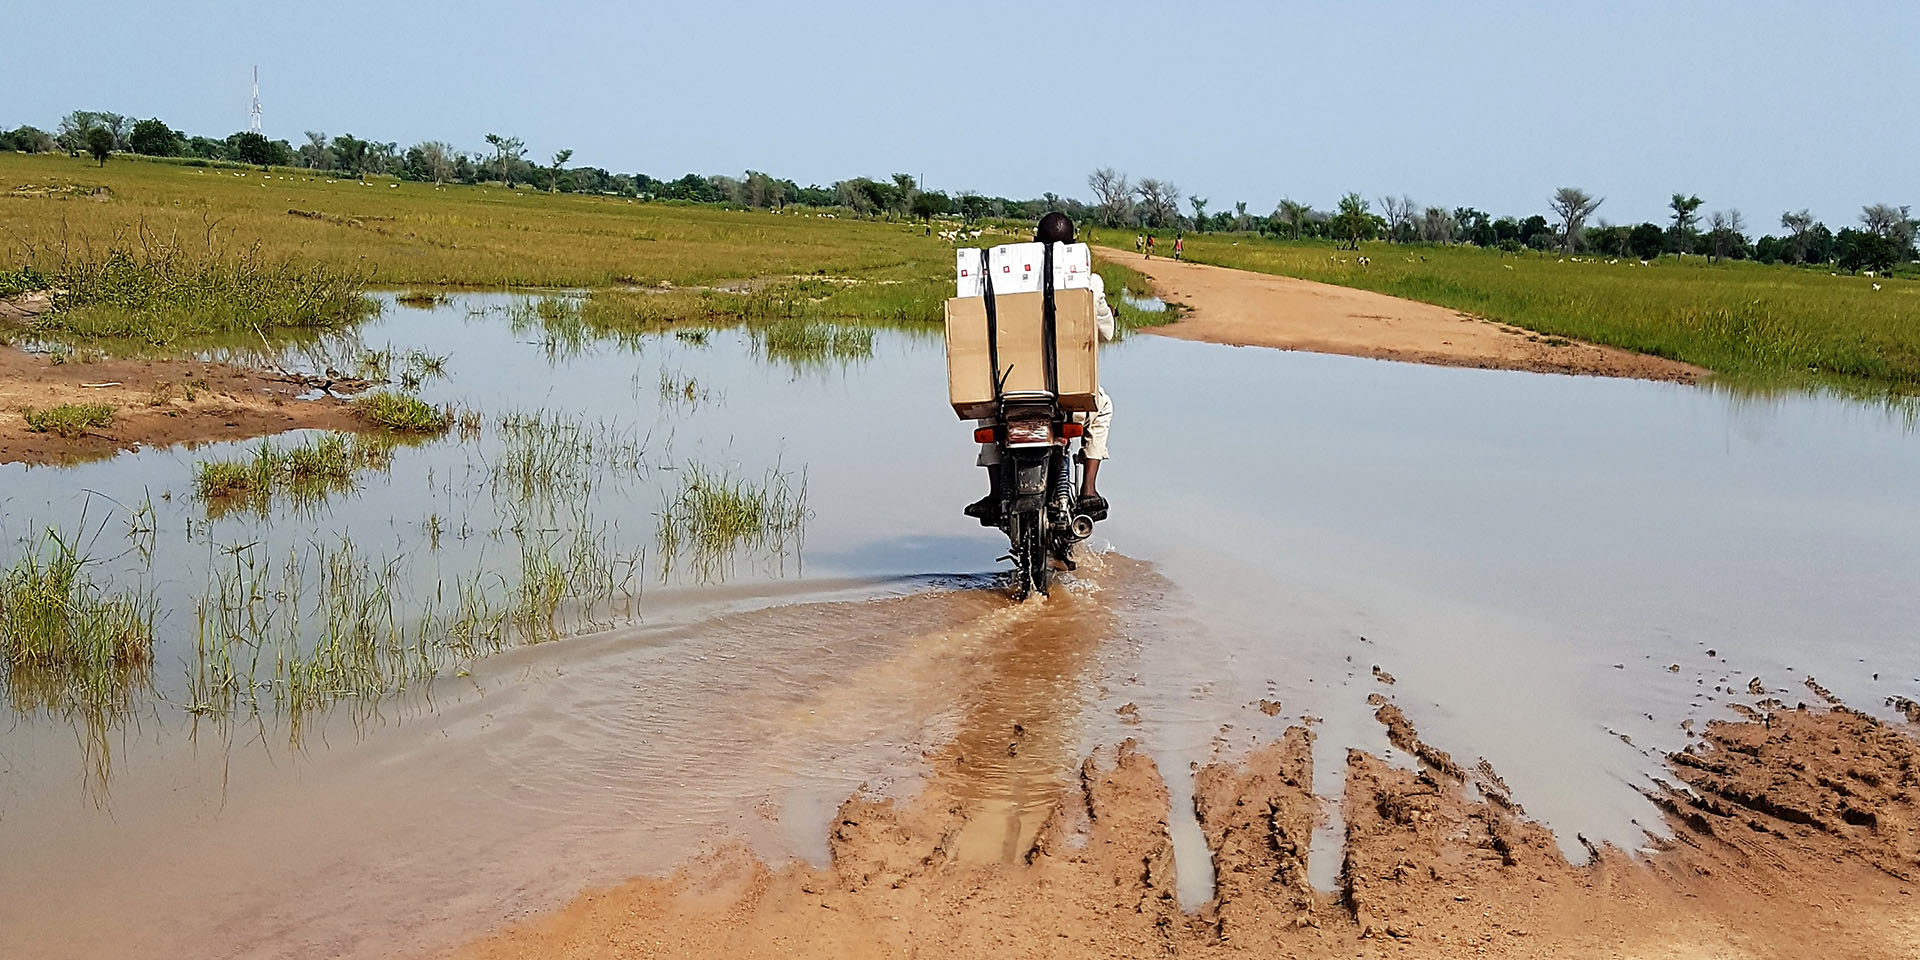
(970, 375)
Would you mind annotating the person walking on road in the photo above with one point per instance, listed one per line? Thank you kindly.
(1179, 245)
(1139, 242)
(1149, 246)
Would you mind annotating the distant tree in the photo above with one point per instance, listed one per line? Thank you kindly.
(1473, 226)
(252, 148)
(1436, 225)
(1724, 235)
(432, 160)
(1857, 250)
(1535, 233)
(1353, 221)
(904, 187)
(507, 152)
(154, 139)
(1799, 226)
(1159, 201)
(100, 144)
(314, 154)
(972, 206)
(1199, 205)
(1052, 200)
(351, 154)
(1572, 205)
(1820, 244)
(1646, 241)
(72, 134)
(1894, 223)
(1686, 213)
(1294, 215)
(1112, 195)
(1608, 240)
(1398, 212)
(27, 139)
(1241, 221)
(930, 204)
(559, 160)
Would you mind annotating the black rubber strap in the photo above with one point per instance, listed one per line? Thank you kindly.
(1048, 347)
(993, 324)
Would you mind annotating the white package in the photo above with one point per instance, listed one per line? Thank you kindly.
(967, 272)
(1016, 267)
(1072, 265)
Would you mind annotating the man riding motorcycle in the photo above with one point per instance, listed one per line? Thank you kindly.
(1057, 227)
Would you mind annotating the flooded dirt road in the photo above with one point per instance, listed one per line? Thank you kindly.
(1567, 577)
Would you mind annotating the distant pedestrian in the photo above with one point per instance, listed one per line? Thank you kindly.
(1179, 245)
(1149, 246)
(1139, 242)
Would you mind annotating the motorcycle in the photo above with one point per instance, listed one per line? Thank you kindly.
(1039, 485)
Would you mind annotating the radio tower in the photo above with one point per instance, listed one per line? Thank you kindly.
(253, 114)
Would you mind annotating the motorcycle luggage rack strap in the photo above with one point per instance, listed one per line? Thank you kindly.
(1048, 347)
(993, 330)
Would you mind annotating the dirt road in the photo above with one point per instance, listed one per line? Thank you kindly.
(1242, 308)
(1798, 835)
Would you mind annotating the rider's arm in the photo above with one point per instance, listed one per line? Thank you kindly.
(1102, 313)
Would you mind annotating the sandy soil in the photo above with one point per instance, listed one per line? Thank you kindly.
(1242, 308)
(1797, 834)
(152, 405)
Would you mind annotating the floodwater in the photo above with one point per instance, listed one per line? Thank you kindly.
(1555, 572)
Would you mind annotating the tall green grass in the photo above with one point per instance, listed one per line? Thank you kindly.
(65, 642)
(403, 413)
(305, 474)
(166, 295)
(1747, 320)
(715, 515)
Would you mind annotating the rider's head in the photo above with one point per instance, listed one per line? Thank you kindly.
(1055, 227)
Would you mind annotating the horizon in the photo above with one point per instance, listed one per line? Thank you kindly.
(1387, 127)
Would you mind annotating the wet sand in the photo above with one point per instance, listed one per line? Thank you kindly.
(1794, 835)
(1242, 308)
(151, 404)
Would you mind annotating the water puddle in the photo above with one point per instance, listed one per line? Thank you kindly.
(1550, 573)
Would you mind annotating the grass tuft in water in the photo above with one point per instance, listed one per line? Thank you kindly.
(66, 643)
(70, 419)
(306, 474)
(716, 514)
(809, 343)
(402, 413)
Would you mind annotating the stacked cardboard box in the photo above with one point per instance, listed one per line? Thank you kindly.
(1016, 272)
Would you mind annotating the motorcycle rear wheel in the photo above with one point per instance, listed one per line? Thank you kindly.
(1035, 570)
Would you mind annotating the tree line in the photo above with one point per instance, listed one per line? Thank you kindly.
(505, 161)
(1884, 237)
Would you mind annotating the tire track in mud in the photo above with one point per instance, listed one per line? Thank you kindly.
(1797, 833)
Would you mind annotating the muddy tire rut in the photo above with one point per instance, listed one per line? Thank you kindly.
(1793, 836)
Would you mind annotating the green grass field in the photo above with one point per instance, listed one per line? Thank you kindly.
(1749, 321)
(1744, 320)
(402, 233)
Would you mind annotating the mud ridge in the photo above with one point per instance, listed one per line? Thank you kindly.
(1793, 837)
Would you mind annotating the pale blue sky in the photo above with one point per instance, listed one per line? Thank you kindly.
(1757, 105)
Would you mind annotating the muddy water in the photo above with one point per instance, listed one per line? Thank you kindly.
(1525, 556)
